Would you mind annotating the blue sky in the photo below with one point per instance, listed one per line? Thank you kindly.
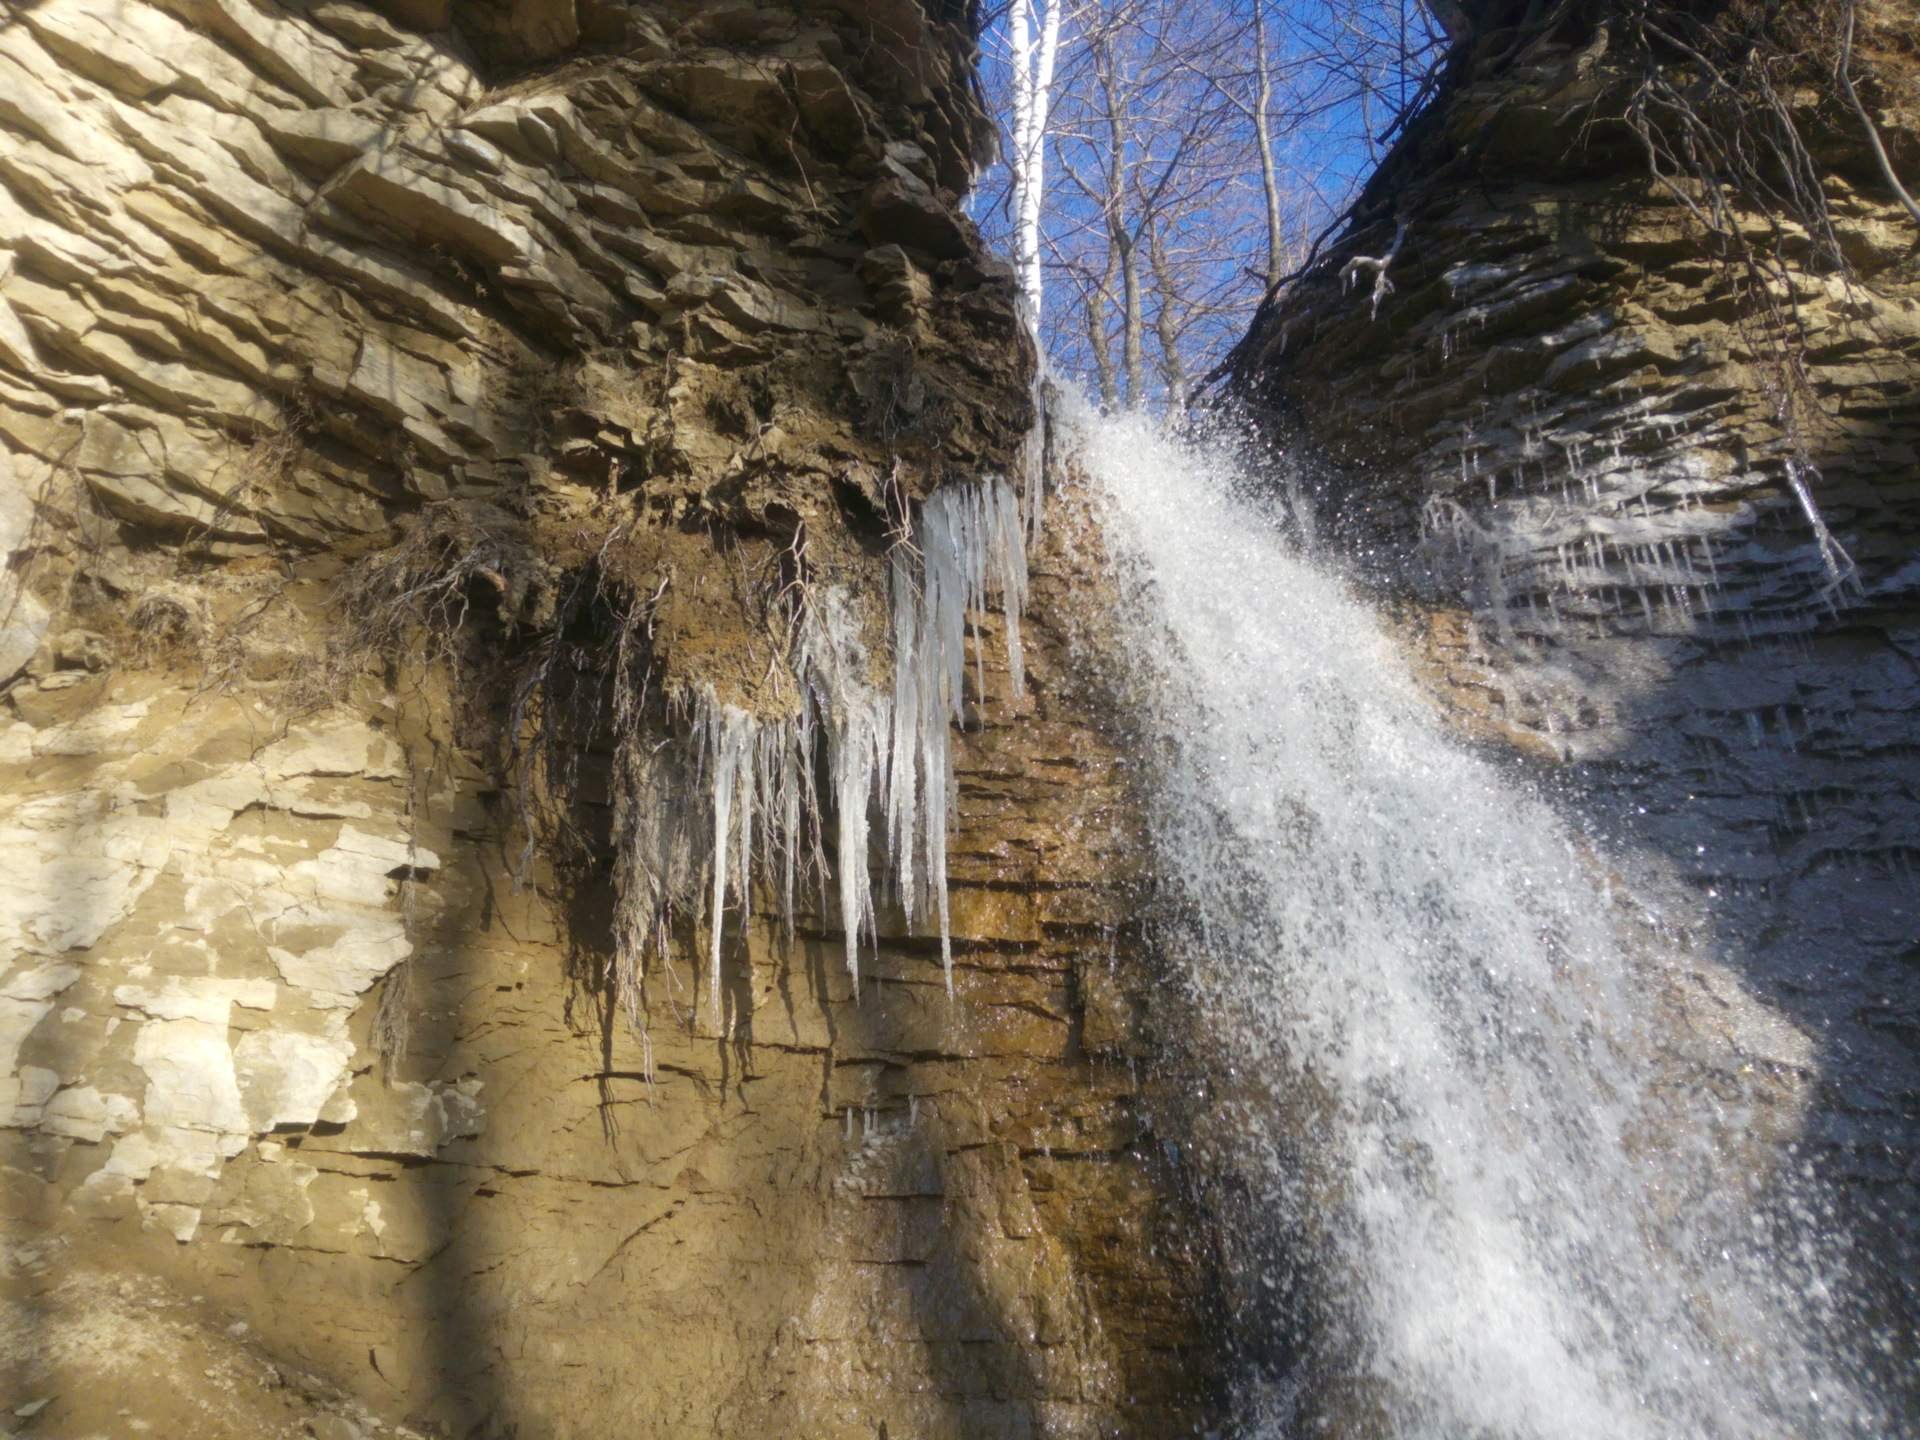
(1341, 68)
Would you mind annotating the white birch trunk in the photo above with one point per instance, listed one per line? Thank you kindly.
(1263, 133)
(1033, 58)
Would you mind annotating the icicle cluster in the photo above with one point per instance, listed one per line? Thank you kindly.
(1582, 536)
(748, 768)
(971, 543)
(747, 791)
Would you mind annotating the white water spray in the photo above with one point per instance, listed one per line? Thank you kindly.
(1511, 1236)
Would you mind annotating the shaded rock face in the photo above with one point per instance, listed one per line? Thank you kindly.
(1559, 444)
(523, 303)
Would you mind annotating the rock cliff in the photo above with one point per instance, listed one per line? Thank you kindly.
(1629, 436)
(408, 412)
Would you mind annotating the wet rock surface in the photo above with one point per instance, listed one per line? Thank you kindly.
(1559, 447)
(287, 293)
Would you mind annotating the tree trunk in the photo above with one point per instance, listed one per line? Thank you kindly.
(1166, 320)
(1120, 236)
(1133, 317)
(1033, 60)
(1263, 134)
(1097, 342)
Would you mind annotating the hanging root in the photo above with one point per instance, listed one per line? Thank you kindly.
(169, 621)
(1712, 107)
(1879, 150)
(656, 870)
(412, 601)
(393, 1017)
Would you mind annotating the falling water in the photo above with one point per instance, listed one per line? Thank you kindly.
(1513, 1233)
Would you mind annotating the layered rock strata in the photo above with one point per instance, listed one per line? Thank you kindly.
(357, 363)
(1657, 532)
(945, 1215)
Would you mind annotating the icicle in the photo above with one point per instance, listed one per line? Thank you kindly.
(886, 751)
(1033, 460)
(744, 760)
(834, 666)
(1840, 567)
(851, 756)
(903, 765)
(727, 734)
(792, 757)
(970, 546)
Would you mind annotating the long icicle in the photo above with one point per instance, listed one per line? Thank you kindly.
(720, 726)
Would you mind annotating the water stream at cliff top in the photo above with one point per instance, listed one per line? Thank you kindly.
(1411, 963)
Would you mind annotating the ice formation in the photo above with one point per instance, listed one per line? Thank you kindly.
(1584, 538)
(747, 785)
(1833, 555)
(971, 544)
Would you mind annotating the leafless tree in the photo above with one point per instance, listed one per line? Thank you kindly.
(1193, 146)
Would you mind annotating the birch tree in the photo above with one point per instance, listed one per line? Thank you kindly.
(1263, 142)
(1166, 163)
(1034, 45)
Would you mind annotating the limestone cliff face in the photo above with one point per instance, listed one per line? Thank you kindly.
(1658, 536)
(357, 362)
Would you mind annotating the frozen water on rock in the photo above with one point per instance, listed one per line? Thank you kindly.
(887, 749)
(1517, 1230)
(1833, 556)
(1643, 531)
(972, 544)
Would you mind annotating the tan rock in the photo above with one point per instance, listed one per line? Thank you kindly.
(284, 288)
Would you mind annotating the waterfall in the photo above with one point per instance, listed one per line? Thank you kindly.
(1411, 961)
